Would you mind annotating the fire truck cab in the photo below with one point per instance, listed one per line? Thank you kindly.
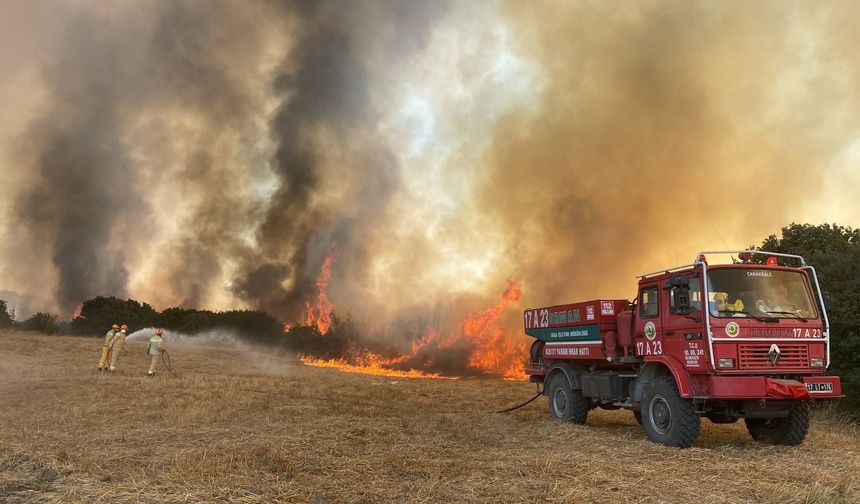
(745, 339)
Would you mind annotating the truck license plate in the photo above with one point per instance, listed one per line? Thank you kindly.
(819, 387)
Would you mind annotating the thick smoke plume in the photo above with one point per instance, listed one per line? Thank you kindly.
(667, 128)
(213, 154)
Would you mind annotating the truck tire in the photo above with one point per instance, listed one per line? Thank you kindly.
(565, 403)
(668, 418)
(788, 431)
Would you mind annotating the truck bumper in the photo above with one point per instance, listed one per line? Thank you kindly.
(762, 387)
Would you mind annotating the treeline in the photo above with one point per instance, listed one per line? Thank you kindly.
(42, 322)
(98, 314)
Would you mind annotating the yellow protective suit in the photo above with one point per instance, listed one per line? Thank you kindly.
(106, 353)
(117, 345)
(154, 351)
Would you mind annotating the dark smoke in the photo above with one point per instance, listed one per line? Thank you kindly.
(324, 84)
(173, 100)
(82, 181)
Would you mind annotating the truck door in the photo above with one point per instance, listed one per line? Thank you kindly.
(649, 335)
(683, 325)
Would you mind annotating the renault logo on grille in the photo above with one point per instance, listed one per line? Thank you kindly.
(774, 354)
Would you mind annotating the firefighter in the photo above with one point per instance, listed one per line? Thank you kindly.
(117, 345)
(106, 353)
(154, 350)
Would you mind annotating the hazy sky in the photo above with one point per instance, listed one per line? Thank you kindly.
(211, 154)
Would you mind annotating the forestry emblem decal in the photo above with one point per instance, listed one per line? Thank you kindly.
(732, 329)
(650, 330)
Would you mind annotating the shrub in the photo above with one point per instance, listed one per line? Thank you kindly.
(42, 322)
(7, 317)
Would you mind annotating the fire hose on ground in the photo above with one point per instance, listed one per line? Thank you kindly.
(387, 405)
(165, 359)
(518, 406)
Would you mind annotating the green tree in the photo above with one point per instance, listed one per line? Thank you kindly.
(100, 313)
(834, 252)
(42, 322)
(7, 316)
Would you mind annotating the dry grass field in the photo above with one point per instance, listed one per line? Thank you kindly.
(243, 425)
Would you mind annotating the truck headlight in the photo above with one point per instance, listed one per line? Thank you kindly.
(726, 363)
(816, 362)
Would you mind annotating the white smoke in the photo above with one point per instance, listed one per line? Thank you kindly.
(252, 358)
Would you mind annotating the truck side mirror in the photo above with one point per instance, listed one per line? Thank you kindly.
(680, 287)
(681, 296)
(677, 281)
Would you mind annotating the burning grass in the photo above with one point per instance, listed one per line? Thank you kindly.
(246, 425)
(477, 346)
(372, 365)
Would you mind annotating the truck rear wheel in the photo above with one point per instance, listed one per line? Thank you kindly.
(565, 403)
(788, 431)
(668, 418)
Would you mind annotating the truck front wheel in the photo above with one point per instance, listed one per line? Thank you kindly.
(789, 430)
(668, 418)
(565, 403)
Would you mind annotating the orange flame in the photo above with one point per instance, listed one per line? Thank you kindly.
(416, 347)
(310, 318)
(321, 317)
(77, 311)
(324, 306)
(494, 351)
(369, 363)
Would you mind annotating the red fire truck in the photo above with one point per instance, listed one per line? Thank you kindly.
(746, 339)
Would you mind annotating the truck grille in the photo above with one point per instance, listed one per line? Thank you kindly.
(754, 356)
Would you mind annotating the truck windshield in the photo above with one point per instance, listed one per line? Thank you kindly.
(735, 292)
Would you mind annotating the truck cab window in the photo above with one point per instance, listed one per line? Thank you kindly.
(648, 306)
(751, 292)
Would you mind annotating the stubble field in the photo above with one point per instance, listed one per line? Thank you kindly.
(249, 425)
